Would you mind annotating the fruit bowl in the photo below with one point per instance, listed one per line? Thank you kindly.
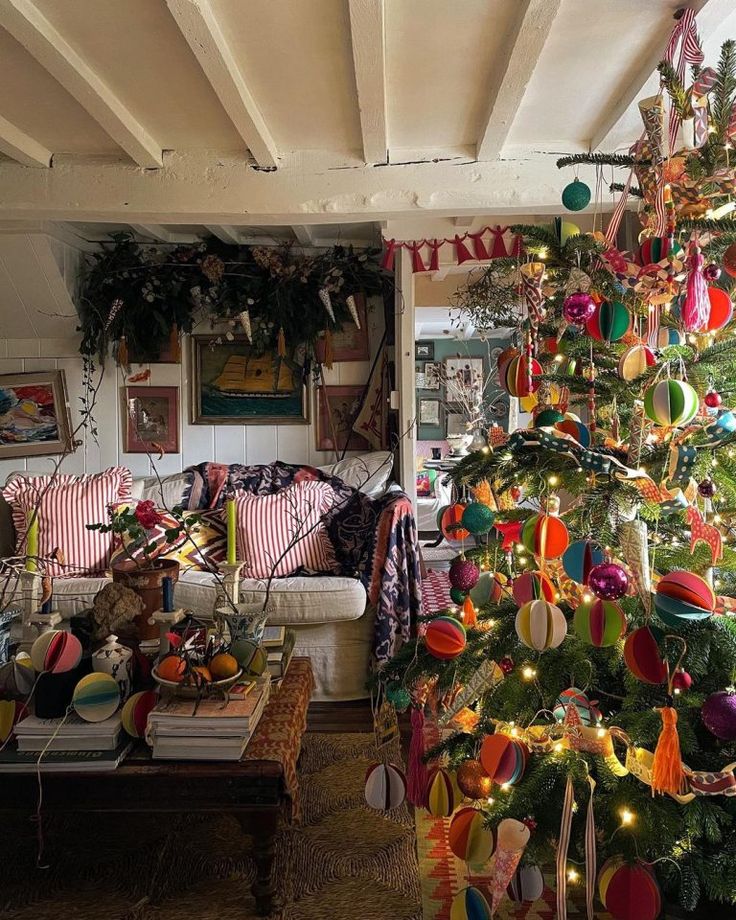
(192, 691)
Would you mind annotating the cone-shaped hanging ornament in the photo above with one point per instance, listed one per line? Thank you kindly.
(244, 317)
(175, 344)
(123, 352)
(353, 307)
(324, 296)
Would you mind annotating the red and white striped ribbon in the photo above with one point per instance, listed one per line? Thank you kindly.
(685, 35)
(590, 852)
(615, 222)
(563, 845)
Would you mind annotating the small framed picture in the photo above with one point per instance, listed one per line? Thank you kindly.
(424, 351)
(429, 412)
(150, 420)
(455, 424)
(337, 409)
(34, 415)
(431, 375)
(419, 381)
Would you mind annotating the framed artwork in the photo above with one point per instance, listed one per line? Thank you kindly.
(150, 420)
(232, 385)
(424, 351)
(34, 415)
(462, 376)
(419, 379)
(337, 409)
(431, 376)
(455, 424)
(351, 343)
(429, 412)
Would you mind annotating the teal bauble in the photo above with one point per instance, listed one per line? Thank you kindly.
(478, 518)
(398, 696)
(547, 418)
(457, 595)
(576, 196)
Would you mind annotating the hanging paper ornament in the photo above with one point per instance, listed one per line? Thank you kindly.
(579, 558)
(445, 638)
(442, 793)
(512, 837)
(610, 322)
(599, 623)
(527, 885)
(548, 418)
(568, 366)
(635, 361)
(576, 196)
(681, 680)
(671, 403)
(608, 581)
(629, 891)
(473, 781)
(469, 614)
(464, 574)
(575, 428)
(712, 399)
(55, 652)
(532, 586)
(457, 596)
(96, 697)
(695, 304)
(11, 712)
(668, 335)
(541, 625)
(353, 307)
(244, 317)
(706, 488)
(682, 598)
(729, 260)
(642, 655)
(477, 518)
(656, 249)
(516, 378)
(324, 296)
(470, 904)
(719, 714)
(468, 837)
(588, 712)
(448, 522)
(489, 590)
(385, 787)
(578, 308)
(503, 360)
(503, 758)
(545, 536)
(134, 714)
(564, 229)
(721, 310)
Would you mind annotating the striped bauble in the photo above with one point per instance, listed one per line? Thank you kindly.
(671, 403)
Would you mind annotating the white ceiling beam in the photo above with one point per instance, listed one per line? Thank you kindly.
(20, 147)
(367, 34)
(230, 235)
(157, 232)
(710, 14)
(27, 24)
(303, 235)
(199, 26)
(514, 71)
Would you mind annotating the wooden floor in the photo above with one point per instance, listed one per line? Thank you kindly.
(351, 716)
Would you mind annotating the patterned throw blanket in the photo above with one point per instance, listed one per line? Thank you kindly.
(374, 540)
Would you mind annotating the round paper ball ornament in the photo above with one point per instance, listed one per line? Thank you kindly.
(472, 780)
(457, 596)
(468, 838)
(721, 309)
(478, 518)
(526, 885)
(578, 308)
(516, 379)
(719, 715)
(588, 713)
(712, 399)
(564, 229)
(96, 697)
(575, 428)
(729, 260)
(545, 535)
(541, 625)
(669, 335)
(548, 418)
(629, 891)
(656, 249)
(448, 522)
(643, 657)
(599, 623)
(11, 712)
(610, 322)
(671, 403)
(442, 793)
(489, 590)
(608, 581)
(464, 574)
(445, 638)
(683, 597)
(532, 586)
(470, 904)
(503, 359)
(55, 652)
(635, 361)
(579, 558)
(385, 787)
(576, 196)
(134, 714)
(249, 655)
(503, 758)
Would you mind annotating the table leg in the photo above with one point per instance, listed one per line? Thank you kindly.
(262, 827)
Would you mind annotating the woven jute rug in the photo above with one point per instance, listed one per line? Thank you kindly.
(343, 861)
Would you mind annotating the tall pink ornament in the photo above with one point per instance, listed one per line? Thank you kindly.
(696, 306)
(512, 837)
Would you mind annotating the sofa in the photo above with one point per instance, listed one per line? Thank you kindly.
(334, 615)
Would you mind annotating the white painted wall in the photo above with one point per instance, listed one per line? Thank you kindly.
(223, 443)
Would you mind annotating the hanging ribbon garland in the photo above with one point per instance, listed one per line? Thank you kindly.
(482, 251)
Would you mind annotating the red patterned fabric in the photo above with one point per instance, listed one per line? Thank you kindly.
(268, 524)
(64, 505)
(279, 733)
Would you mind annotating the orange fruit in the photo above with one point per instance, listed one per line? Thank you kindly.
(204, 673)
(172, 668)
(223, 666)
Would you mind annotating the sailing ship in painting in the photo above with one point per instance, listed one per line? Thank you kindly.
(255, 375)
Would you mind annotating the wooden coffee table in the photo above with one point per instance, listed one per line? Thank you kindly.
(260, 790)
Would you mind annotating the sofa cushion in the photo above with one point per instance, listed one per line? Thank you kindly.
(171, 491)
(368, 473)
(295, 600)
(75, 595)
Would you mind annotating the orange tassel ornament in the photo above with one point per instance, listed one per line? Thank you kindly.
(123, 352)
(470, 615)
(329, 350)
(667, 772)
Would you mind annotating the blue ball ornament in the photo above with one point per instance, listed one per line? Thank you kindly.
(576, 196)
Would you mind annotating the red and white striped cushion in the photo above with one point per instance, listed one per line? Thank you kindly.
(65, 505)
(267, 523)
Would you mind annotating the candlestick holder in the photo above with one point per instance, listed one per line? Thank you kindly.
(165, 619)
(33, 622)
(244, 621)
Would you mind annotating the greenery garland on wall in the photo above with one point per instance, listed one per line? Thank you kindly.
(137, 299)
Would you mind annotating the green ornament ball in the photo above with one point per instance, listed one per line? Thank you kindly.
(457, 596)
(478, 518)
(547, 418)
(398, 696)
(576, 196)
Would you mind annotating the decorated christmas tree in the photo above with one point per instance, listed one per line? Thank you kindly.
(579, 692)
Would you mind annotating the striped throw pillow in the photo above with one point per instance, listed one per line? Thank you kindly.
(65, 504)
(267, 524)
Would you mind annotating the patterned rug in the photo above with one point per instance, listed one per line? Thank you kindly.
(435, 591)
(343, 861)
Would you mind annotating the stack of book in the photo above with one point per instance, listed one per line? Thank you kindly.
(65, 745)
(209, 729)
(279, 644)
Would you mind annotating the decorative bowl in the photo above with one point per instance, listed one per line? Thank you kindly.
(191, 691)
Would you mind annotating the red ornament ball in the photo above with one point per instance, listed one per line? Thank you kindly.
(643, 657)
(721, 309)
(503, 758)
(729, 260)
(472, 780)
(712, 272)
(445, 638)
(608, 581)
(506, 664)
(515, 493)
(719, 715)
(464, 574)
(712, 399)
(707, 488)
(629, 891)
(681, 681)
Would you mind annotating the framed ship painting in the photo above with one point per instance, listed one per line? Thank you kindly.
(34, 415)
(233, 385)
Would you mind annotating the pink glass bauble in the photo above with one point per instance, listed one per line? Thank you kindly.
(578, 308)
(608, 581)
